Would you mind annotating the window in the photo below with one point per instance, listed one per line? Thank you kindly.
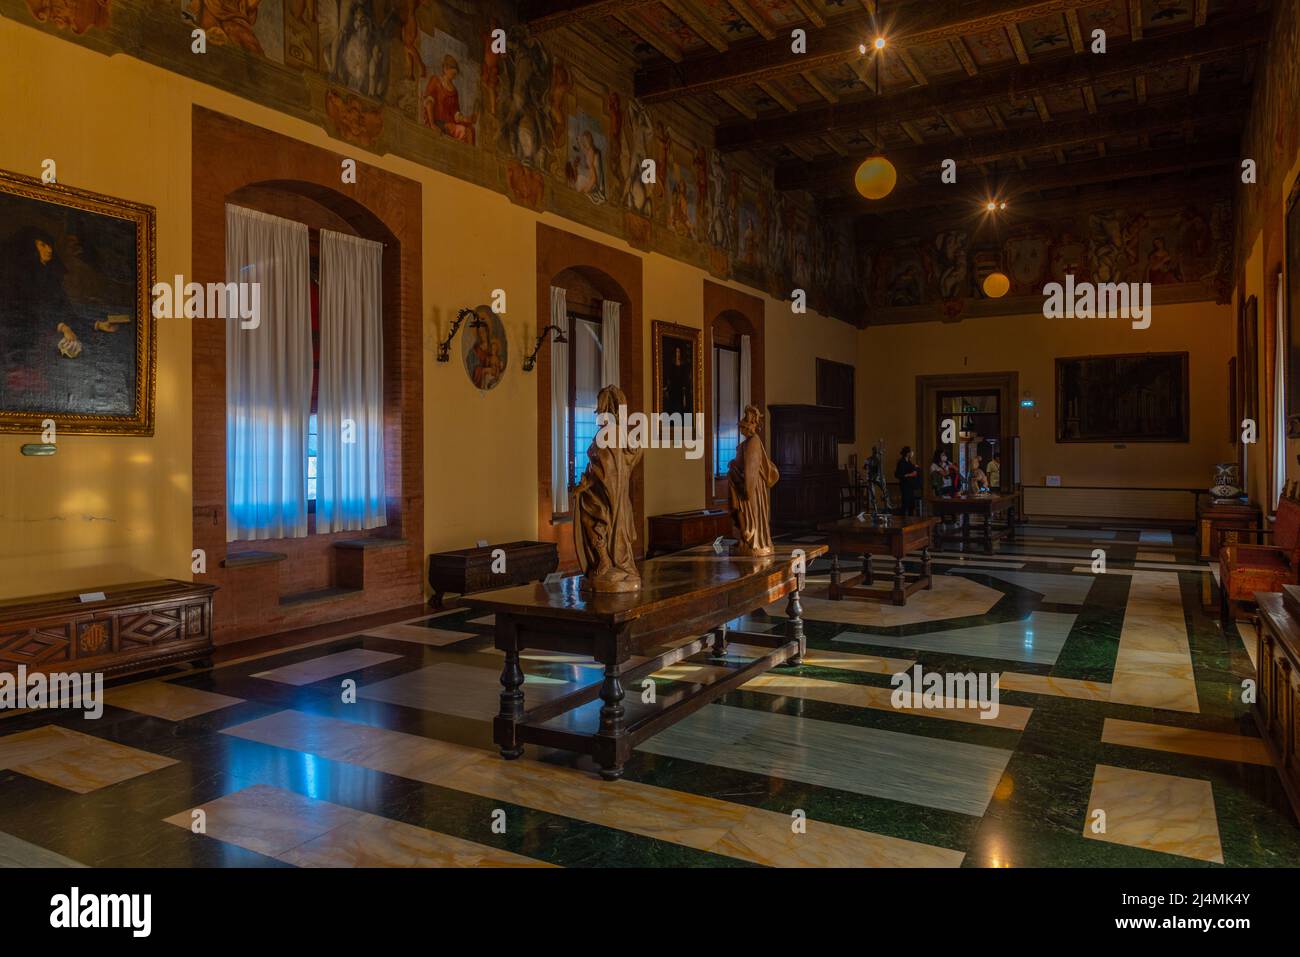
(726, 407)
(585, 351)
(312, 446)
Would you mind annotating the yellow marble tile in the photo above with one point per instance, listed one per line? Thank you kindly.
(27, 747)
(163, 699)
(417, 634)
(373, 841)
(1158, 812)
(1061, 687)
(307, 832)
(1153, 666)
(80, 762)
(951, 597)
(690, 820)
(1249, 638)
(266, 819)
(1204, 744)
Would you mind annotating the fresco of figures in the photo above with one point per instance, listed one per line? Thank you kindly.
(527, 110)
(1165, 245)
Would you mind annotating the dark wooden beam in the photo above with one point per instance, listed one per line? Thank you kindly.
(543, 15)
(1212, 181)
(990, 88)
(837, 42)
(972, 194)
(1202, 110)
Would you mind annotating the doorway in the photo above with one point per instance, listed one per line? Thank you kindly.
(975, 419)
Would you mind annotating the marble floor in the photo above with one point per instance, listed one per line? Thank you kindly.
(1120, 740)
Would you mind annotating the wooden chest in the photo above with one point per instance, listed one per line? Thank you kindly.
(470, 569)
(134, 627)
(674, 531)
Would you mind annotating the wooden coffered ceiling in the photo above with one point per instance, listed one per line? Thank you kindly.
(1010, 89)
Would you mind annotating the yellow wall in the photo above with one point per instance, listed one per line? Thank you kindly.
(891, 357)
(109, 510)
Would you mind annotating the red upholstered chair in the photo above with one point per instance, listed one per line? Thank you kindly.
(1246, 569)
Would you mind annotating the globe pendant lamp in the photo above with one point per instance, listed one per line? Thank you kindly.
(876, 177)
(996, 285)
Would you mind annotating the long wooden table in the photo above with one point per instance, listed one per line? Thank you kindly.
(991, 506)
(682, 609)
(895, 536)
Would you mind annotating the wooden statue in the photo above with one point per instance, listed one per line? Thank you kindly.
(605, 526)
(751, 476)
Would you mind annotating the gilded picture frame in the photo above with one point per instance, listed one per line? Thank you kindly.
(671, 365)
(78, 339)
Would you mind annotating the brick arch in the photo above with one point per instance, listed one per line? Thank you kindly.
(323, 577)
(595, 270)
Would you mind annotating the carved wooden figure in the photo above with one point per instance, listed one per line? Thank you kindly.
(751, 475)
(605, 526)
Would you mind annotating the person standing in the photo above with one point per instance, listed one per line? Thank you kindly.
(909, 480)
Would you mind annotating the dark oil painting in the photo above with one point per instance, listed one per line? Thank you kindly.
(1123, 398)
(76, 331)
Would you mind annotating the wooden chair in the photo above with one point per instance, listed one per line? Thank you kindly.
(849, 492)
(1247, 569)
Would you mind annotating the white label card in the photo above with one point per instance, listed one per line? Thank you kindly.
(482, 543)
(93, 596)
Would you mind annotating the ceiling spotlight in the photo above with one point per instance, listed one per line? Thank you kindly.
(880, 43)
(990, 205)
(862, 48)
(1002, 205)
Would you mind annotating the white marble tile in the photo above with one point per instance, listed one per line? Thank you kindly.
(1038, 639)
(327, 666)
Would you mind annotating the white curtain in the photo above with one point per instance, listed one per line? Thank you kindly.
(1279, 397)
(350, 402)
(609, 317)
(745, 394)
(559, 404)
(268, 379)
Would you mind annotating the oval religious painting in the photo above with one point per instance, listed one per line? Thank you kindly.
(485, 349)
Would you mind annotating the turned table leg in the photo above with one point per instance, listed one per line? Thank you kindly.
(835, 577)
(794, 628)
(900, 583)
(611, 715)
(720, 641)
(868, 577)
(925, 568)
(512, 699)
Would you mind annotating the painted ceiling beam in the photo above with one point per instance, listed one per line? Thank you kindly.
(544, 15)
(993, 87)
(837, 42)
(1015, 183)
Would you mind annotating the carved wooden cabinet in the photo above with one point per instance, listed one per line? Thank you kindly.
(136, 626)
(805, 448)
(1223, 523)
(1277, 693)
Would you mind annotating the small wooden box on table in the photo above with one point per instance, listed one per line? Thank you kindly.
(134, 627)
(470, 569)
(895, 536)
(990, 505)
(677, 530)
(1277, 697)
(682, 609)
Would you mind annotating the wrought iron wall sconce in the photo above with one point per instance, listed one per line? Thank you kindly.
(532, 359)
(444, 347)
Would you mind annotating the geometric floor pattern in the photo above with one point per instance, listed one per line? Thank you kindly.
(1121, 740)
